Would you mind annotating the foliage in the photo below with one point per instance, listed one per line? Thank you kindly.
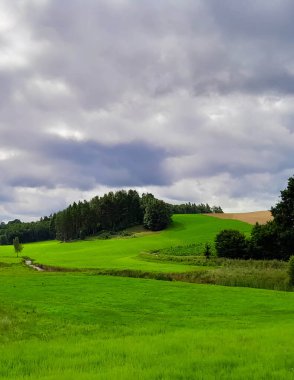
(17, 245)
(275, 239)
(283, 214)
(193, 249)
(27, 232)
(264, 242)
(291, 270)
(207, 251)
(111, 212)
(157, 215)
(231, 244)
(193, 208)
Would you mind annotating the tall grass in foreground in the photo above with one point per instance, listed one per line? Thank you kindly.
(77, 326)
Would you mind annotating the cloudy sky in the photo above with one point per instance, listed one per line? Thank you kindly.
(192, 100)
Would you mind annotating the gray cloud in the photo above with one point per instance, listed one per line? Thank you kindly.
(192, 100)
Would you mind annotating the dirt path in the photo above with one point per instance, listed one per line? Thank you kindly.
(260, 217)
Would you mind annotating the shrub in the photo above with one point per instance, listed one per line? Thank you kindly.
(231, 244)
(207, 251)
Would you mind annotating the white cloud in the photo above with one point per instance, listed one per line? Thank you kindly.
(180, 98)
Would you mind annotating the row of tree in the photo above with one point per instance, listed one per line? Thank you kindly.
(193, 208)
(273, 240)
(111, 212)
(114, 211)
(27, 232)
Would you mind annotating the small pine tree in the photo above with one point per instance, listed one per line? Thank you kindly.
(17, 246)
(291, 270)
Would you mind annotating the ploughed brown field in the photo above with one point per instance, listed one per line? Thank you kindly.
(249, 217)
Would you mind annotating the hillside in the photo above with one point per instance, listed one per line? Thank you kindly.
(260, 217)
(122, 253)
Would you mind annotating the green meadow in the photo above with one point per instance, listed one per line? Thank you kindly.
(78, 325)
(124, 253)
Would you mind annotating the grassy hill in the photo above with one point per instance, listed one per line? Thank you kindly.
(122, 253)
(86, 327)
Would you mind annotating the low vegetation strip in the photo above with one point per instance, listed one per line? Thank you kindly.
(260, 217)
(264, 274)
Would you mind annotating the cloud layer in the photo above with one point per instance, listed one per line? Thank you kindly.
(191, 100)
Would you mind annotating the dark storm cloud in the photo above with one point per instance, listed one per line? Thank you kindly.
(121, 93)
(83, 164)
(133, 164)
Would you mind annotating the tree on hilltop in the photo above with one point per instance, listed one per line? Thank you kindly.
(157, 215)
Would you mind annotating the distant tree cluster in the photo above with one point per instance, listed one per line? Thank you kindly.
(27, 232)
(273, 240)
(193, 208)
(111, 212)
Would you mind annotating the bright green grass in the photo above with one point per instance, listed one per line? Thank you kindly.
(123, 253)
(82, 327)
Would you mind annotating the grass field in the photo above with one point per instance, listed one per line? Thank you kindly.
(77, 326)
(123, 253)
(85, 327)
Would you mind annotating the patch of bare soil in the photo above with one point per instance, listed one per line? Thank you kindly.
(249, 217)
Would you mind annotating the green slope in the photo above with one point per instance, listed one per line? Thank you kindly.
(123, 253)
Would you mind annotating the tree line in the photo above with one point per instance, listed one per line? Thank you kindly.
(193, 208)
(27, 232)
(113, 211)
(273, 240)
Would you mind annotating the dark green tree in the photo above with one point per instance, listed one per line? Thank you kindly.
(157, 215)
(3, 240)
(283, 214)
(264, 242)
(231, 244)
(291, 270)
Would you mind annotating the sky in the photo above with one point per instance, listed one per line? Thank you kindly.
(191, 100)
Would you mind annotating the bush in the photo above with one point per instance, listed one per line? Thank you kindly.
(207, 251)
(231, 244)
(291, 270)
